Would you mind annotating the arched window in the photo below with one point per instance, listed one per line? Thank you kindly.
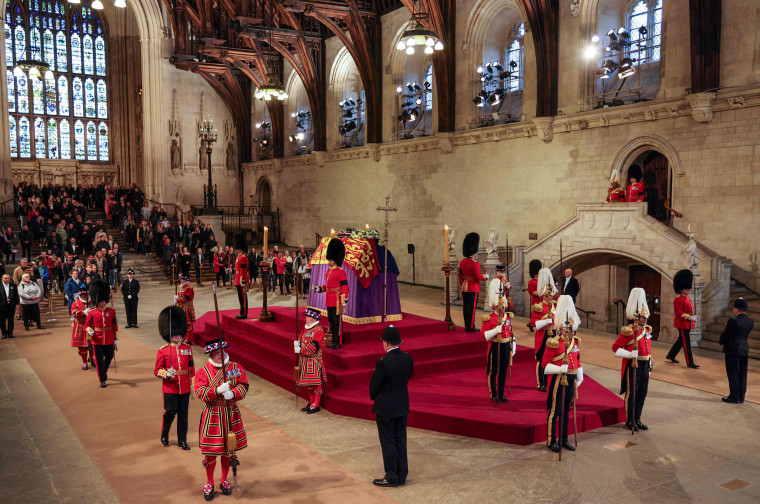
(515, 53)
(429, 87)
(643, 21)
(72, 40)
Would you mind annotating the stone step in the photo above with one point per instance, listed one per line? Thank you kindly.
(754, 353)
(717, 329)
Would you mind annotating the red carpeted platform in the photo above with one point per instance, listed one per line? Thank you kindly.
(448, 392)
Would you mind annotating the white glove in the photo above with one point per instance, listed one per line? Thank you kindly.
(115, 342)
(694, 318)
(129, 297)
(509, 286)
(579, 379)
(552, 369)
(622, 353)
(489, 335)
(88, 310)
(540, 324)
(175, 298)
(563, 368)
(229, 395)
(634, 354)
(514, 347)
(487, 276)
(170, 373)
(224, 387)
(317, 288)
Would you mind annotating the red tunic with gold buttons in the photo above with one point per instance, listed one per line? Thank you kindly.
(185, 296)
(336, 284)
(78, 336)
(218, 414)
(684, 309)
(643, 337)
(532, 288)
(555, 351)
(635, 192)
(104, 325)
(470, 275)
(180, 359)
(540, 311)
(615, 194)
(310, 359)
(493, 322)
(241, 269)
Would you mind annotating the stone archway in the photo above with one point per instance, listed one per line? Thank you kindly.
(264, 194)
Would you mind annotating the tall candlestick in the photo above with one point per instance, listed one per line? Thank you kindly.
(446, 245)
(332, 233)
(266, 241)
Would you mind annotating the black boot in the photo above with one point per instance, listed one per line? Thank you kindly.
(554, 447)
(567, 446)
(495, 399)
(164, 439)
(631, 426)
(641, 426)
(183, 445)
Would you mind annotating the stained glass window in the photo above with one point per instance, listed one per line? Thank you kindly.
(72, 40)
(102, 103)
(92, 141)
(79, 140)
(14, 136)
(65, 139)
(39, 137)
(11, 83)
(52, 131)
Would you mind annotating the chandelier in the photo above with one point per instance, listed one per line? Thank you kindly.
(272, 87)
(417, 35)
(34, 66)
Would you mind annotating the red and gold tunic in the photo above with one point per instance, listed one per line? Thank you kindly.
(218, 413)
(533, 291)
(684, 309)
(615, 194)
(104, 325)
(310, 359)
(180, 359)
(241, 269)
(336, 284)
(78, 335)
(540, 311)
(643, 337)
(635, 192)
(504, 282)
(470, 275)
(185, 296)
(555, 353)
(491, 323)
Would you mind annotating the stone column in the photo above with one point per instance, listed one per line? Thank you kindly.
(155, 153)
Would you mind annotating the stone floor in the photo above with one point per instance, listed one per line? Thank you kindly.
(697, 449)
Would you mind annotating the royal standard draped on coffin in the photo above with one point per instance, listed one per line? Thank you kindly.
(363, 265)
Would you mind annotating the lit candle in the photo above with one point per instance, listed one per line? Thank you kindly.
(332, 233)
(366, 226)
(446, 245)
(266, 240)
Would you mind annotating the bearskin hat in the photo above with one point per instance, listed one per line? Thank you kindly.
(534, 267)
(240, 243)
(565, 314)
(634, 172)
(683, 280)
(470, 244)
(172, 321)
(100, 291)
(336, 251)
(546, 283)
(637, 304)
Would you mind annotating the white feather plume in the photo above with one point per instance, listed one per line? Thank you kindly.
(565, 312)
(546, 282)
(637, 304)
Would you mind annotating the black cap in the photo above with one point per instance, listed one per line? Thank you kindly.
(499, 268)
(391, 335)
(740, 304)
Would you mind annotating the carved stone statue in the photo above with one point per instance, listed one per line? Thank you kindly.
(492, 243)
(575, 8)
(452, 242)
(691, 252)
(202, 157)
(176, 157)
(231, 165)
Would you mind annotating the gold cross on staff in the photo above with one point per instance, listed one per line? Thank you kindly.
(387, 208)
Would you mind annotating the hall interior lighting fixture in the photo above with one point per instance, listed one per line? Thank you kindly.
(626, 68)
(399, 89)
(352, 111)
(97, 5)
(121, 4)
(272, 87)
(416, 35)
(76, 2)
(34, 66)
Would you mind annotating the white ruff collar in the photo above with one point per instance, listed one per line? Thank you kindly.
(312, 325)
(226, 360)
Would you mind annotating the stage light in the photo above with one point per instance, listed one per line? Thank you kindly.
(417, 87)
(621, 30)
(258, 125)
(624, 35)
(595, 39)
(410, 87)
(612, 35)
(418, 101)
(399, 89)
(589, 52)
(292, 114)
(480, 70)
(401, 45)
(410, 50)
(643, 31)
(427, 85)
(489, 69)
(512, 64)
(610, 66)
(495, 97)
(300, 136)
(498, 66)
(478, 101)
(626, 68)
(505, 75)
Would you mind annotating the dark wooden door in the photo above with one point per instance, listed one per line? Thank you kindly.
(657, 179)
(649, 280)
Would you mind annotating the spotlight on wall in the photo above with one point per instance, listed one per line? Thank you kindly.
(626, 68)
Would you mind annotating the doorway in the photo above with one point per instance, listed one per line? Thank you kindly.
(649, 280)
(658, 185)
(264, 194)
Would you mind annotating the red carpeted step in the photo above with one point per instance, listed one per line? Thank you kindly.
(448, 392)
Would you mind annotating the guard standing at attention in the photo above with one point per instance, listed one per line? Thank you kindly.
(469, 279)
(336, 287)
(636, 190)
(241, 275)
(130, 288)
(101, 325)
(309, 346)
(684, 317)
(497, 330)
(541, 319)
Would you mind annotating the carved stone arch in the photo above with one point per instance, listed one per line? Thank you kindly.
(264, 192)
(342, 66)
(638, 146)
(479, 21)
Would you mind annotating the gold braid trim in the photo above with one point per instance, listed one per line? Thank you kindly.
(162, 374)
(552, 342)
(538, 307)
(626, 331)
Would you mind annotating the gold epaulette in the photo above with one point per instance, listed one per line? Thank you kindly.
(510, 315)
(538, 307)
(578, 339)
(161, 348)
(626, 330)
(486, 318)
(552, 342)
(647, 328)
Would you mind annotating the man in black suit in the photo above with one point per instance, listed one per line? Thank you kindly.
(571, 287)
(9, 300)
(198, 262)
(736, 348)
(130, 288)
(388, 388)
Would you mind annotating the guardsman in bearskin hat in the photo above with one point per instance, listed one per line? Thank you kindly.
(79, 338)
(541, 319)
(241, 275)
(497, 330)
(684, 317)
(101, 325)
(184, 299)
(175, 367)
(469, 279)
(636, 190)
(562, 362)
(634, 344)
(309, 346)
(336, 286)
(220, 384)
(615, 193)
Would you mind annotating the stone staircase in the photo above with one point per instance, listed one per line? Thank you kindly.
(711, 333)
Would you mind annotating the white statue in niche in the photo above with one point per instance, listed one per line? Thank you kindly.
(492, 242)
(176, 155)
